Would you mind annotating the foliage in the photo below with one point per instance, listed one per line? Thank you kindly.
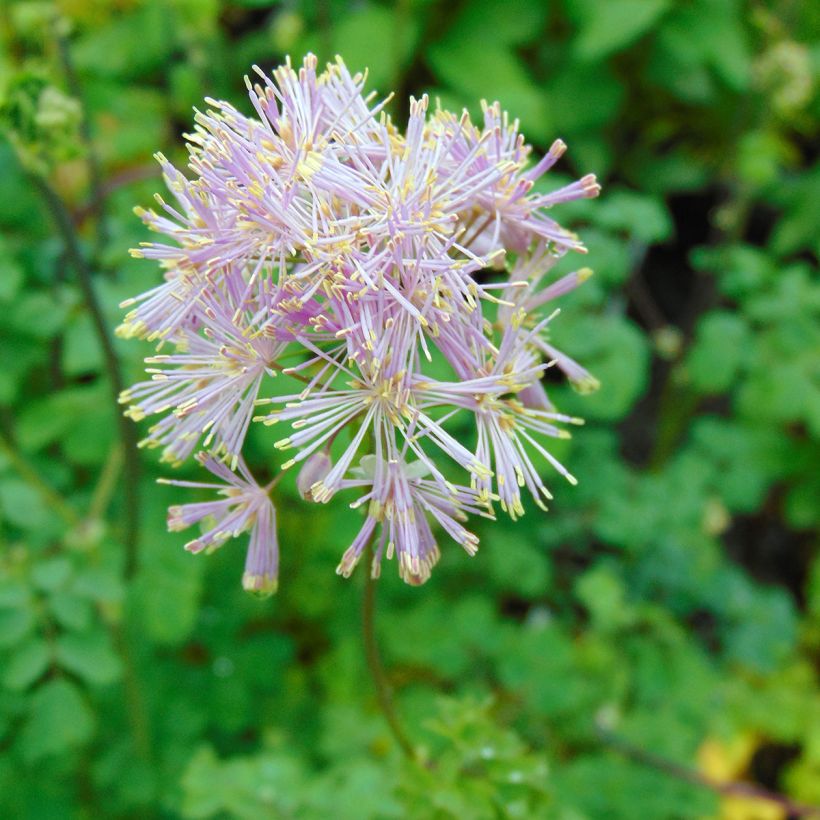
(672, 598)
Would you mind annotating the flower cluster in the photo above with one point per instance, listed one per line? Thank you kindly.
(394, 281)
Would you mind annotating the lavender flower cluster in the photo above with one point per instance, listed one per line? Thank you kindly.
(319, 245)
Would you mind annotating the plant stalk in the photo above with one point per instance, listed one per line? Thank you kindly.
(374, 661)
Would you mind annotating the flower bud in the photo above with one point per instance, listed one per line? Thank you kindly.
(315, 468)
(535, 397)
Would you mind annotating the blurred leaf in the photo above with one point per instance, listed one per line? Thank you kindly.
(51, 574)
(27, 664)
(243, 787)
(127, 45)
(71, 611)
(603, 594)
(479, 70)
(59, 720)
(11, 275)
(47, 419)
(23, 506)
(510, 22)
(720, 347)
(88, 655)
(15, 624)
(616, 353)
(81, 352)
(606, 27)
(637, 215)
(375, 38)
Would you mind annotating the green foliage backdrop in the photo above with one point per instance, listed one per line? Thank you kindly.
(657, 629)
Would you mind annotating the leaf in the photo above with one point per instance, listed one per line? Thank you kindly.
(509, 22)
(375, 38)
(51, 574)
(47, 419)
(37, 315)
(59, 720)
(264, 785)
(70, 610)
(26, 665)
(479, 70)
(81, 350)
(721, 346)
(604, 596)
(168, 589)
(608, 27)
(615, 352)
(15, 624)
(89, 655)
(598, 86)
(127, 45)
(24, 507)
(637, 215)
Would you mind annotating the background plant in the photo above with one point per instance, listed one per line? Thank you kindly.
(670, 603)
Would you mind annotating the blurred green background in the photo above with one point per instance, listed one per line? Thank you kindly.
(659, 626)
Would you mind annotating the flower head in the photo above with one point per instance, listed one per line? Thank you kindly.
(399, 283)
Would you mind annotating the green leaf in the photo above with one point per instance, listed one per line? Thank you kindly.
(721, 346)
(604, 596)
(81, 349)
(510, 22)
(169, 586)
(615, 352)
(481, 70)
(608, 27)
(26, 665)
(375, 38)
(38, 315)
(15, 624)
(24, 507)
(89, 655)
(637, 215)
(128, 44)
(101, 584)
(51, 574)
(265, 785)
(59, 719)
(71, 610)
(49, 418)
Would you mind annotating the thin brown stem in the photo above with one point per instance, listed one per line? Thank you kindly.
(374, 661)
(731, 788)
(95, 177)
(127, 430)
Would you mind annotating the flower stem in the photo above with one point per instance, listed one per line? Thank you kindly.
(374, 661)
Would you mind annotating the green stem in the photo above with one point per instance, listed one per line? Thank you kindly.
(374, 661)
(137, 709)
(86, 132)
(127, 431)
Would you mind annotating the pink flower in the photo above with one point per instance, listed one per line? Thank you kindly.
(395, 284)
